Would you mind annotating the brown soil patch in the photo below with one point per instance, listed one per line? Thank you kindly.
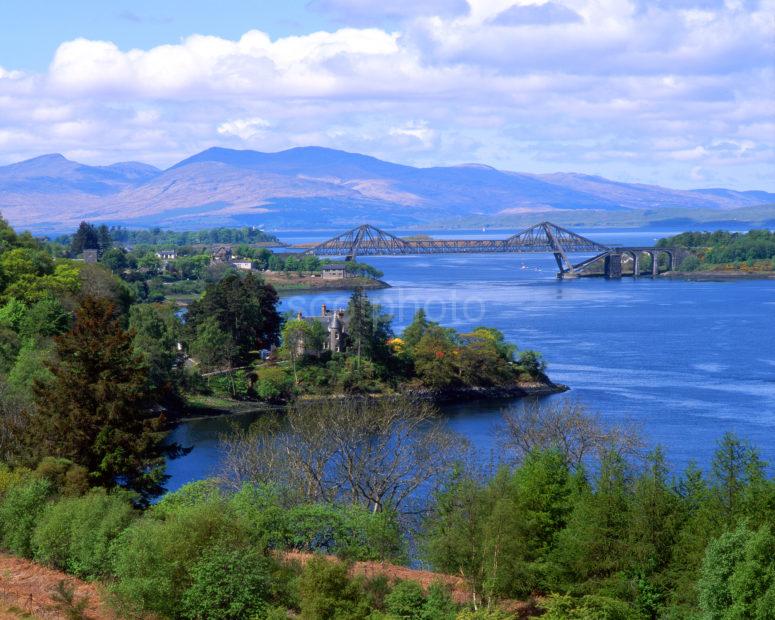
(458, 588)
(27, 591)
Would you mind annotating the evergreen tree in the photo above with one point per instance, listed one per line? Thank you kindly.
(735, 466)
(416, 329)
(368, 330)
(95, 409)
(104, 240)
(594, 544)
(85, 238)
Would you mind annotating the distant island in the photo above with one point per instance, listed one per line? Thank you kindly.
(316, 188)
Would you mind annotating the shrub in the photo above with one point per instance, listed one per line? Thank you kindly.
(189, 495)
(228, 583)
(68, 478)
(273, 384)
(590, 607)
(19, 512)
(406, 600)
(439, 604)
(484, 614)
(351, 532)
(153, 558)
(326, 592)
(75, 534)
(12, 477)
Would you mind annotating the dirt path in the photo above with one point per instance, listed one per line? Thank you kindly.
(28, 590)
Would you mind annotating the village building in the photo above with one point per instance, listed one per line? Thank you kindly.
(167, 255)
(221, 254)
(335, 322)
(243, 263)
(91, 256)
(335, 271)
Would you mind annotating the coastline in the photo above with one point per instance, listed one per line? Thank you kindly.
(215, 407)
(306, 284)
(718, 276)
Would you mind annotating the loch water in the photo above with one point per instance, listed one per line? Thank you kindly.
(684, 361)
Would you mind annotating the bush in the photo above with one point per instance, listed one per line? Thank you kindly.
(19, 512)
(154, 557)
(439, 604)
(228, 583)
(406, 600)
(189, 495)
(273, 384)
(67, 478)
(75, 534)
(590, 607)
(326, 592)
(484, 614)
(12, 477)
(350, 532)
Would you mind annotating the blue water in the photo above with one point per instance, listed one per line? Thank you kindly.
(684, 361)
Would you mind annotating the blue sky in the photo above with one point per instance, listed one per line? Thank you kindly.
(33, 29)
(675, 92)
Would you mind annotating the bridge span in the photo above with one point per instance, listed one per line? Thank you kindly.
(608, 261)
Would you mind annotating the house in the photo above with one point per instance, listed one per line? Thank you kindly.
(91, 256)
(335, 271)
(166, 255)
(221, 254)
(335, 322)
(243, 263)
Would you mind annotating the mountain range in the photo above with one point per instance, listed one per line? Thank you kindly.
(313, 187)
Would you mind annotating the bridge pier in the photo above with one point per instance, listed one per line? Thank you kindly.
(636, 265)
(654, 264)
(613, 265)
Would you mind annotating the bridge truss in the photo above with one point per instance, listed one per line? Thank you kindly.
(368, 240)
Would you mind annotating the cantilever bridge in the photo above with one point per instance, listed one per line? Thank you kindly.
(545, 237)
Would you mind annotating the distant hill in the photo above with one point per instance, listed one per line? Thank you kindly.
(313, 187)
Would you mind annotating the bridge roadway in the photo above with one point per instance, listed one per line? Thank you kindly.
(545, 237)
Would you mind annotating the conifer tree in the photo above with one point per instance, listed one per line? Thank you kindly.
(95, 410)
(85, 238)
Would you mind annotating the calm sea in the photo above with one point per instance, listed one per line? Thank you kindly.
(685, 361)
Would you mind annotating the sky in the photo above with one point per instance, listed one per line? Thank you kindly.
(678, 93)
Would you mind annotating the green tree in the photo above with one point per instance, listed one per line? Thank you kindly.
(115, 259)
(735, 465)
(96, 408)
(245, 308)
(368, 330)
(212, 347)
(85, 238)
(593, 546)
(416, 329)
(298, 340)
(156, 332)
(435, 358)
(46, 317)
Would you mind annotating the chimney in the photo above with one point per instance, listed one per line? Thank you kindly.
(323, 310)
(298, 316)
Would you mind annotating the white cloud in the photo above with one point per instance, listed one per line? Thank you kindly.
(647, 90)
(244, 128)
